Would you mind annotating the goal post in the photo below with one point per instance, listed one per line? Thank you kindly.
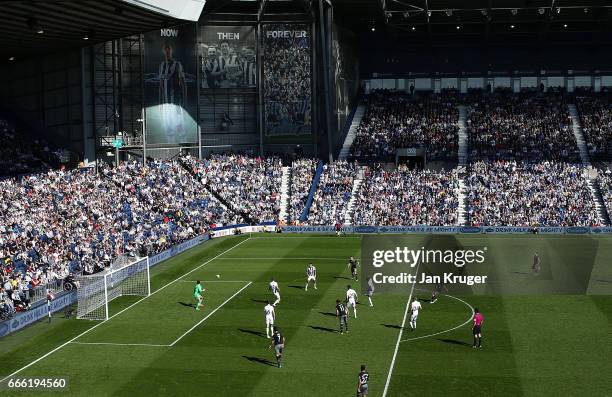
(95, 291)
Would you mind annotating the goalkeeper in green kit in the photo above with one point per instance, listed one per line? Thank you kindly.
(197, 295)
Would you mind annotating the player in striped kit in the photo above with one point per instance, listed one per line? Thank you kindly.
(275, 291)
(362, 382)
(311, 274)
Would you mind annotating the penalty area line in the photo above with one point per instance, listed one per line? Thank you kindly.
(209, 314)
(116, 314)
(180, 337)
(117, 344)
(215, 281)
(287, 258)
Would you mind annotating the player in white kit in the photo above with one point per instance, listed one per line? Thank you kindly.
(311, 274)
(415, 306)
(351, 300)
(275, 291)
(270, 316)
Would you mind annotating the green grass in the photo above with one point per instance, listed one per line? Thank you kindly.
(543, 336)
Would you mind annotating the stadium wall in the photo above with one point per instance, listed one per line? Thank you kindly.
(402, 60)
(569, 79)
(447, 230)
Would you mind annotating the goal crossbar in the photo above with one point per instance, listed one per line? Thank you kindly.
(95, 291)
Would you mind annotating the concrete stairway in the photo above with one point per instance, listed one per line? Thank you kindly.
(284, 199)
(577, 129)
(462, 209)
(463, 138)
(350, 208)
(350, 136)
(591, 175)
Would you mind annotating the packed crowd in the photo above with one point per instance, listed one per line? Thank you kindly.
(596, 119)
(331, 199)
(396, 120)
(407, 197)
(250, 184)
(287, 83)
(302, 173)
(519, 194)
(59, 222)
(525, 126)
(604, 178)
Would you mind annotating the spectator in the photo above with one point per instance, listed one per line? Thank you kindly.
(395, 120)
(511, 193)
(407, 197)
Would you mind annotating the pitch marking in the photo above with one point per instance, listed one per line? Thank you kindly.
(116, 314)
(450, 329)
(399, 336)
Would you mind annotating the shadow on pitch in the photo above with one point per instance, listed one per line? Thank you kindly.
(342, 278)
(392, 326)
(330, 314)
(260, 361)
(248, 331)
(186, 304)
(527, 273)
(297, 286)
(259, 300)
(455, 342)
(322, 329)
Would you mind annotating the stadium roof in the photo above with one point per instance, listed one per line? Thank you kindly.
(251, 11)
(38, 26)
(462, 21)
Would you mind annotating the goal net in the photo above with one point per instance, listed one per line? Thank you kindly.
(126, 276)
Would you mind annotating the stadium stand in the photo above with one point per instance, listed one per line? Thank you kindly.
(514, 193)
(61, 221)
(596, 120)
(604, 179)
(397, 120)
(332, 197)
(250, 184)
(407, 197)
(527, 126)
(302, 173)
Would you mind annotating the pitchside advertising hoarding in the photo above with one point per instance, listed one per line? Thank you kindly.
(227, 57)
(170, 85)
(287, 79)
(485, 265)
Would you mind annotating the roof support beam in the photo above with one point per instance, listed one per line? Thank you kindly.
(262, 10)
(428, 15)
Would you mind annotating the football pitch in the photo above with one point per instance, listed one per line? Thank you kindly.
(544, 335)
